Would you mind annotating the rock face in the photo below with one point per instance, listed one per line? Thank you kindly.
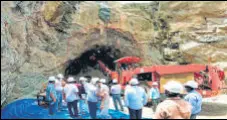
(37, 38)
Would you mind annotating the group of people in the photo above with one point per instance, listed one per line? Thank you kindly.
(92, 94)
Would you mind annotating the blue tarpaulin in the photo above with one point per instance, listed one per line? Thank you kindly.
(28, 108)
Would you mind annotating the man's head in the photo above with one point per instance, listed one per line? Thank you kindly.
(155, 84)
(94, 80)
(173, 89)
(134, 82)
(71, 80)
(114, 81)
(51, 79)
(83, 79)
(60, 77)
(190, 85)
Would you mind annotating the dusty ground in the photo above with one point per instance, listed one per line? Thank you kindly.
(213, 108)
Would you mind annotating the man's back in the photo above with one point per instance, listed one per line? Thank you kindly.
(135, 97)
(50, 89)
(195, 99)
(174, 108)
(116, 89)
(71, 92)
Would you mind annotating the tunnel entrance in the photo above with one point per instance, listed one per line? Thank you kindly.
(89, 58)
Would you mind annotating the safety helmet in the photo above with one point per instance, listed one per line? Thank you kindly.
(94, 80)
(60, 76)
(103, 80)
(134, 81)
(155, 84)
(114, 80)
(191, 84)
(174, 87)
(82, 79)
(51, 79)
(71, 79)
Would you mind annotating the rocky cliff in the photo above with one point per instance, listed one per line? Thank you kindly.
(38, 39)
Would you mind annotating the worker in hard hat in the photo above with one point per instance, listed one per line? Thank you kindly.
(173, 107)
(82, 95)
(59, 88)
(135, 99)
(116, 94)
(70, 92)
(193, 97)
(154, 96)
(92, 98)
(103, 93)
(51, 95)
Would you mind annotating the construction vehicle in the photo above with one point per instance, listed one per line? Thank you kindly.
(209, 78)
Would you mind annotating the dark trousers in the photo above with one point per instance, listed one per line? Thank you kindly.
(135, 114)
(92, 106)
(73, 105)
(193, 116)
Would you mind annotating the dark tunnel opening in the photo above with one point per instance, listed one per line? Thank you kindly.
(107, 54)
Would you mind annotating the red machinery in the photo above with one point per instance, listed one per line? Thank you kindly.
(208, 77)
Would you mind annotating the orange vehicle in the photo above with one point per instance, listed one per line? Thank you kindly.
(208, 77)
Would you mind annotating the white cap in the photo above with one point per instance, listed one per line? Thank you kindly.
(60, 76)
(70, 79)
(174, 87)
(133, 81)
(51, 79)
(94, 80)
(191, 84)
(114, 80)
(154, 83)
(103, 80)
(83, 79)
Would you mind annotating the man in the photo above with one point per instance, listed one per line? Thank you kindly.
(194, 98)
(82, 95)
(135, 99)
(92, 98)
(116, 94)
(71, 97)
(154, 95)
(173, 107)
(51, 96)
(59, 88)
(103, 93)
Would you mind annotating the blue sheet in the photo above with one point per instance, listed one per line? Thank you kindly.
(28, 108)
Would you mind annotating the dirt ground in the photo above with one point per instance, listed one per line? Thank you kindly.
(212, 108)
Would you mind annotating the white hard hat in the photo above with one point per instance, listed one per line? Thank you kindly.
(191, 84)
(103, 80)
(82, 79)
(51, 79)
(134, 81)
(70, 79)
(94, 80)
(154, 83)
(60, 76)
(114, 80)
(174, 87)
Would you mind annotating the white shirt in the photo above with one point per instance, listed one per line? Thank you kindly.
(116, 89)
(91, 91)
(127, 88)
(71, 92)
(58, 86)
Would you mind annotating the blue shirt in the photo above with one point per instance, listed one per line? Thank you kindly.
(135, 98)
(154, 93)
(195, 99)
(50, 89)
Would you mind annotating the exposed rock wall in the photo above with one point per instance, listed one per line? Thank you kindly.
(37, 38)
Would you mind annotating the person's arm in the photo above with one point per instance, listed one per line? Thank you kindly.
(126, 99)
(144, 98)
(52, 96)
(161, 112)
